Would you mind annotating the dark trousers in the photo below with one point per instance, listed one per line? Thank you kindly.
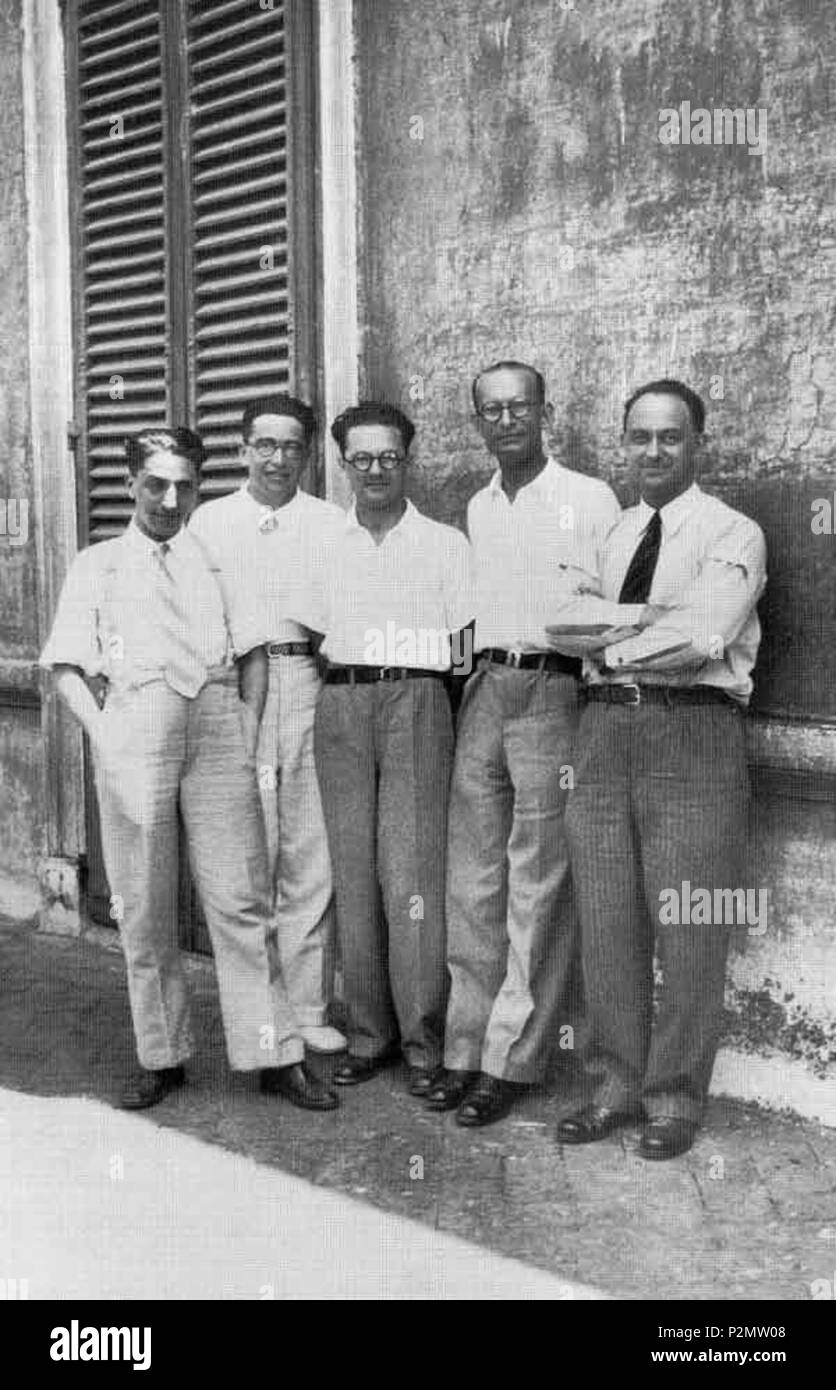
(383, 758)
(660, 799)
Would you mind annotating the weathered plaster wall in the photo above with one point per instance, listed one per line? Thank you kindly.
(20, 744)
(516, 201)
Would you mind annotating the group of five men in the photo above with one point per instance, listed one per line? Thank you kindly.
(287, 674)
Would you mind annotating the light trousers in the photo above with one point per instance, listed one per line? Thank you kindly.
(383, 755)
(160, 748)
(511, 927)
(297, 843)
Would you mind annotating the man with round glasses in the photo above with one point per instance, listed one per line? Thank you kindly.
(536, 532)
(269, 539)
(395, 590)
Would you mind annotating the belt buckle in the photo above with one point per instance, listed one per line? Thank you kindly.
(629, 685)
(514, 658)
(387, 673)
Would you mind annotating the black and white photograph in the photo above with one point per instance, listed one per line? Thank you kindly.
(418, 663)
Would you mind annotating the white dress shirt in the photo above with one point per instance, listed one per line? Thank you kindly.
(110, 620)
(711, 571)
(396, 603)
(530, 553)
(269, 559)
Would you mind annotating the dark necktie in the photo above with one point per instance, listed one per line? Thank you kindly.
(639, 576)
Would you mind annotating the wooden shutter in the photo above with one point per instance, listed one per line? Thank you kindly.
(117, 131)
(192, 145)
(240, 187)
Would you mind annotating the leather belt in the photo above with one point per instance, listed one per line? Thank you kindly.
(533, 661)
(660, 695)
(367, 675)
(289, 649)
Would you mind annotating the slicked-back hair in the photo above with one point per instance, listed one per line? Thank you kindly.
(511, 366)
(669, 386)
(178, 440)
(280, 404)
(372, 413)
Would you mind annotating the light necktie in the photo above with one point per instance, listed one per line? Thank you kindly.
(639, 576)
(183, 665)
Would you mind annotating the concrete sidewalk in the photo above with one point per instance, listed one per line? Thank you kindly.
(750, 1213)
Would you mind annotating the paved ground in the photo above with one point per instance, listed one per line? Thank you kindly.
(750, 1213)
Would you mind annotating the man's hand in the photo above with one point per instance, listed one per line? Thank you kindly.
(651, 613)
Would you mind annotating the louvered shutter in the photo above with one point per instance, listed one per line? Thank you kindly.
(238, 131)
(117, 132)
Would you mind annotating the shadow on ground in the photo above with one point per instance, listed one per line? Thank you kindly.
(749, 1213)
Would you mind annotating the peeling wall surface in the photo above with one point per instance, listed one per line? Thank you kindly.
(21, 750)
(18, 609)
(517, 201)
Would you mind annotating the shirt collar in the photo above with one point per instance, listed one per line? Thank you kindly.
(673, 513)
(261, 509)
(407, 520)
(141, 544)
(541, 485)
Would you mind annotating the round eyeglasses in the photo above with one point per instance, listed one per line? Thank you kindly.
(493, 410)
(268, 448)
(388, 461)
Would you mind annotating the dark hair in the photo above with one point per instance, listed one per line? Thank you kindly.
(174, 440)
(372, 413)
(539, 379)
(669, 386)
(281, 404)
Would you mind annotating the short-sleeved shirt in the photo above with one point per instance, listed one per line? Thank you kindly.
(109, 621)
(396, 603)
(269, 559)
(710, 573)
(531, 553)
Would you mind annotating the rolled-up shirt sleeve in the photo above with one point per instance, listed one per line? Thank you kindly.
(74, 639)
(711, 613)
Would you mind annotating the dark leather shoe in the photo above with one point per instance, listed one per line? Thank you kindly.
(299, 1086)
(488, 1101)
(592, 1123)
(450, 1089)
(667, 1136)
(150, 1087)
(422, 1080)
(352, 1070)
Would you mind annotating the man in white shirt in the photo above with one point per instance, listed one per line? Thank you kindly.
(536, 531)
(270, 540)
(395, 592)
(168, 681)
(659, 805)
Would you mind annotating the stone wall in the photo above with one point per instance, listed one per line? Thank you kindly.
(517, 201)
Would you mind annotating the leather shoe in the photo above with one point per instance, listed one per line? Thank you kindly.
(150, 1087)
(488, 1101)
(667, 1136)
(352, 1070)
(422, 1080)
(450, 1089)
(299, 1086)
(592, 1123)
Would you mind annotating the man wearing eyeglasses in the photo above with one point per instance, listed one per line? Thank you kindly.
(269, 539)
(536, 532)
(395, 591)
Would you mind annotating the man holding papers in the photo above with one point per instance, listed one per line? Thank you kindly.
(660, 792)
